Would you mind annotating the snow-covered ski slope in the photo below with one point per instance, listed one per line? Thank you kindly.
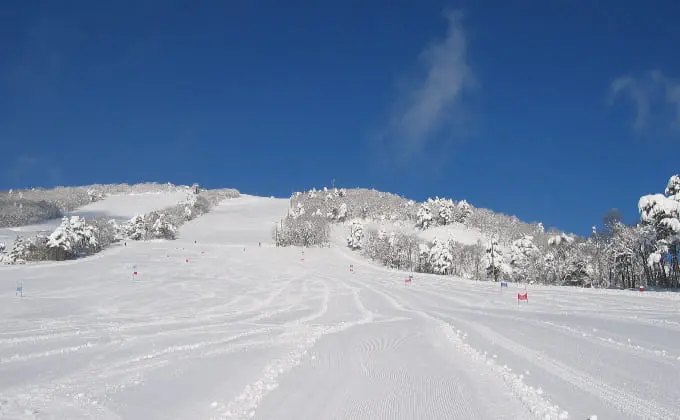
(241, 331)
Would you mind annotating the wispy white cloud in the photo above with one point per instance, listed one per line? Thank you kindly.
(432, 105)
(655, 96)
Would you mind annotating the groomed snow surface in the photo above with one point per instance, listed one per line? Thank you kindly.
(241, 331)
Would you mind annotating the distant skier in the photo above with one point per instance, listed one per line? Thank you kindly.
(259, 244)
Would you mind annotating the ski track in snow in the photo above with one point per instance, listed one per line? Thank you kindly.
(258, 333)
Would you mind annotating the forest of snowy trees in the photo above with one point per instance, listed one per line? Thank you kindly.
(31, 206)
(77, 237)
(617, 255)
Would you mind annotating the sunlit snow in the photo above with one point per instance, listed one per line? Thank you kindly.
(245, 331)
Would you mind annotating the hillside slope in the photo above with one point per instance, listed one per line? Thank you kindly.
(120, 207)
(223, 328)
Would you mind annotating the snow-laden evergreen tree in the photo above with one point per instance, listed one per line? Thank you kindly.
(440, 258)
(118, 231)
(94, 195)
(189, 206)
(72, 238)
(464, 210)
(85, 234)
(356, 235)
(137, 228)
(447, 211)
(435, 212)
(424, 219)
(4, 257)
(496, 266)
(298, 211)
(338, 213)
(62, 241)
(673, 187)
(566, 262)
(423, 258)
(21, 250)
(162, 228)
(524, 258)
(342, 212)
(663, 213)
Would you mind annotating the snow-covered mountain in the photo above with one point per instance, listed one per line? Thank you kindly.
(220, 323)
(439, 236)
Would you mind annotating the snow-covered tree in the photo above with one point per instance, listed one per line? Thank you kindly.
(304, 230)
(663, 213)
(162, 228)
(94, 195)
(424, 219)
(21, 250)
(356, 235)
(85, 234)
(436, 212)
(446, 212)
(298, 211)
(62, 241)
(440, 258)
(496, 266)
(137, 228)
(673, 187)
(4, 257)
(464, 210)
(338, 213)
(72, 238)
(566, 262)
(523, 259)
(190, 204)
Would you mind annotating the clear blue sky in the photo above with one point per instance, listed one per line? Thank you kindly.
(543, 109)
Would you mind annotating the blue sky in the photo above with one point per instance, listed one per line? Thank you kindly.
(546, 110)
